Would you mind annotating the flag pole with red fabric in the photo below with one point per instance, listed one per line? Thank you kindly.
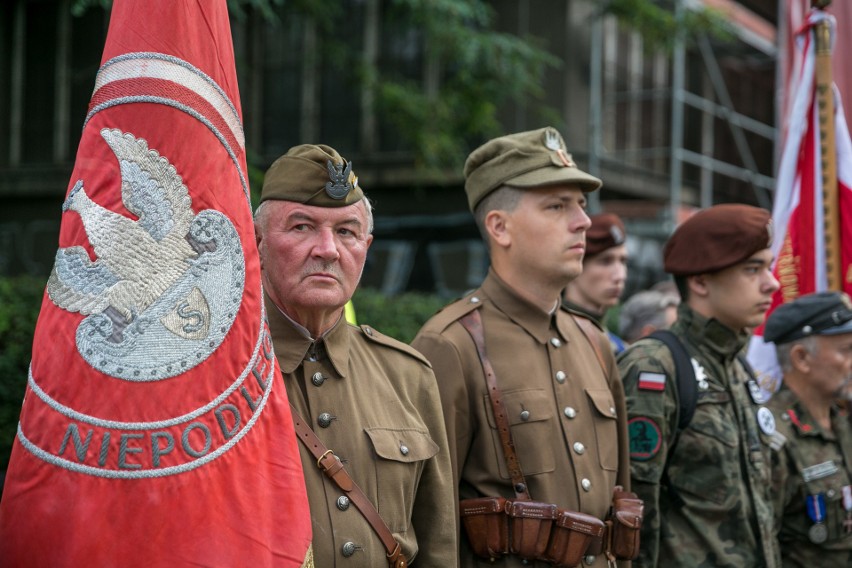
(155, 429)
(812, 211)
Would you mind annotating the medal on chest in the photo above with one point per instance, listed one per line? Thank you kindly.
(847, 506)
(766, 420)
(818, 532)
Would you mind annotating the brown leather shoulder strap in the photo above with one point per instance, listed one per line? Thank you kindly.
(590, 331)
(332, 467)
(472, 322)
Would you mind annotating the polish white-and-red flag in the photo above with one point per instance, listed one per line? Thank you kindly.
(798, 215)
(155, 429)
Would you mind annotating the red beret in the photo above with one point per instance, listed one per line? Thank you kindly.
(607, 231)
(716, 238)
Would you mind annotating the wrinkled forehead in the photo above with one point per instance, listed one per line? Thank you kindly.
(281, 211)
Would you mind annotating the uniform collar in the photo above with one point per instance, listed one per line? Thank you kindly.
(709, 333)
(585, 311)
(524, 313)
(294, 344)
(802, 420)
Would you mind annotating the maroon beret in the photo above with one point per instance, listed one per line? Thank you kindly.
(716, 238)
(607, 231)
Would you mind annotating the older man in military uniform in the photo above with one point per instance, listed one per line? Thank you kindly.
(559, 393)
(604, 275)
(369, 399)
(699, 458)
(812, 470)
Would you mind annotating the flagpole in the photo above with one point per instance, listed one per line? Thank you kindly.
(825, 100)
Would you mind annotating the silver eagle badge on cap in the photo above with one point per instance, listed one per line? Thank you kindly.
(339, 186)
(551, 140)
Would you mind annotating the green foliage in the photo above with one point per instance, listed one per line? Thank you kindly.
(399, 316)
(20, 301)
(656, 22)
(479, 69)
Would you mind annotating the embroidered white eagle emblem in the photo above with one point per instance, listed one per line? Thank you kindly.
(148, 270)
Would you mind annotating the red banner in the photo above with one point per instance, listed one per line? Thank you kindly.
(155, 429)
(798, 212)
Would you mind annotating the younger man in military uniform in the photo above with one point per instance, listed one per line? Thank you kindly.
(563, 405)
(600, 285)
(706, 483)
(370, 399)
(812, 471)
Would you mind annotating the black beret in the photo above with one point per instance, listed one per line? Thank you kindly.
(606, 232)
(823, 313)
(716, 238)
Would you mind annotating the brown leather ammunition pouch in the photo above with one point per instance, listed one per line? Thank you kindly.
(487, 525)
(573, 534)
(625, 524)
(530, 525)
(529, 529)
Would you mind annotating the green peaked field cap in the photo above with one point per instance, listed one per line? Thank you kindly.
(312, 174)
(525, 160)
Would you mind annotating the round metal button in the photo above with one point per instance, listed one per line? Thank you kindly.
(474, 300)
(348, 549)
(612, 410)
(368, 331)
(586, 484)
(317, 379)
(403, 449)
(560, 377)
(579, 448)
(570, 412)
(343, 502)
(525, 415)
(555, 342)
(324, 420)
(589, 559)
(830, 493)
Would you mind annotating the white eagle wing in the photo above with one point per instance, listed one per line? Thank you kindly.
(151, 188)
(77, 284)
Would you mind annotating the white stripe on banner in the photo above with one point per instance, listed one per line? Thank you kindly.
(168, 68)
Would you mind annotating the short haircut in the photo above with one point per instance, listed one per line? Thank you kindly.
(783, 350)
(504, 198)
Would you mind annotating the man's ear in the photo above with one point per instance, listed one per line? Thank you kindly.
(258, 236)
(497, 225)
(697, 285)
(800, 358)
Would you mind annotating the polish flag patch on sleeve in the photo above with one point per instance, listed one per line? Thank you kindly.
(652, 381)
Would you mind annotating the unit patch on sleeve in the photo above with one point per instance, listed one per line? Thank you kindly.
(644, 438)
(652, 381)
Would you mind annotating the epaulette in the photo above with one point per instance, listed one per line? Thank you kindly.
(453, 312)
(578, 313)
(377, 337)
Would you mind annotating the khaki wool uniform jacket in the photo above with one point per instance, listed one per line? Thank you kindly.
(707, 501)
(374, 402)
(811, 463)
(566, 413)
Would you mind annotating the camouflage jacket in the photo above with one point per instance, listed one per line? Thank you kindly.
(706, 489)
(813, 465)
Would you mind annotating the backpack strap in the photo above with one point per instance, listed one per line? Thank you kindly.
(687, 394)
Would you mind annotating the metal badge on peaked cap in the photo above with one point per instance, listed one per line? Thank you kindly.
(525, 160)
(312, 174)
(342, 180)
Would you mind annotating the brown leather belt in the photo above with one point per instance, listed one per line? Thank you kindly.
(333, 468)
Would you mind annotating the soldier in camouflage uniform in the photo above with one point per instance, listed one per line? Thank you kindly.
(812, 471)
(705, 486)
